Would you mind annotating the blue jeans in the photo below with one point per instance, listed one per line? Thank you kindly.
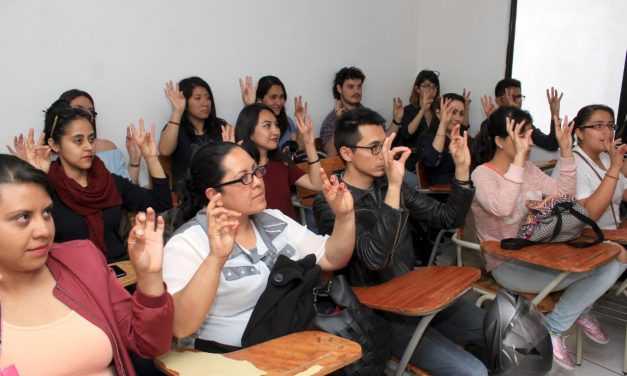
(437, 351)
(581, 290)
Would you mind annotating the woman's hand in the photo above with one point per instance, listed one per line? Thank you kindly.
(176, 97)
(134, 153)
(337, 195)
(249, 92)
(564, 135)
(459, 149)
(554, 101)
(305, 128)
(222, 227)
(616, 151)
(145, 250)
(467, 100)
(228, 133)
(522, 142)
(425, 103)
(299, 108)
(397, 110)
(145, 141)
(446, 110)
(37, 154)
(488, 105)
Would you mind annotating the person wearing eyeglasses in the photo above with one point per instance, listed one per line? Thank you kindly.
(88, 199)
(258, 131)
(106, 150)
(601, 185)
(508, 92)
(384, 247)
(217, 264)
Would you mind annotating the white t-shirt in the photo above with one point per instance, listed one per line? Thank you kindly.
(588, 182)
(243, 279)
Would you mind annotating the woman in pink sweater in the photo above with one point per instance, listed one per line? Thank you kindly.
(504, 180)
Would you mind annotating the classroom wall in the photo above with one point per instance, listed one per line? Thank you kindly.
(123, 54)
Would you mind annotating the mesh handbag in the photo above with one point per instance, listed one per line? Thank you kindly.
(552, 220)
(339, 312)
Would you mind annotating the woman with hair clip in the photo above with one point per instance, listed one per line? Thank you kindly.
(106, 150)
(217, 264)
(271, 92)
(88, 199)
(434, 151)
(193, 123)
(504, 179)
(601, 185)
(63, 310)
(257, 129)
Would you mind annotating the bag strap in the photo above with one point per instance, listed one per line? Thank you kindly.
(601, 179)
(514, 244)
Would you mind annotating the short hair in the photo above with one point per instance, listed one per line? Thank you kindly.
(501, 86)
(347, 126)
(346, 73)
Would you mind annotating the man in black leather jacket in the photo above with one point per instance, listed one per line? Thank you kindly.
(384, 246)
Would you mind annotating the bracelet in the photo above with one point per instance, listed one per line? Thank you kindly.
(394, 122)
(173, 122)
(463, 182)
(134, 164)
(610, 176)
(316, 161)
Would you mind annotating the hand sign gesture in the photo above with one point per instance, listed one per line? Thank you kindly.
(145, 250)
(459, 148)
(222, 227)
(554, 101)
(249, 92)
(564, 135)
(394, 169)
(339, 108)
(398, 110)
(176, 97)
(37, 154)
(145, 141)
(299, 108)
(522, 142)
(305, 128)
(337, 195)
(488, 105)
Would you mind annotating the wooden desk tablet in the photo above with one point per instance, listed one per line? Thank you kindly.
(130, 278)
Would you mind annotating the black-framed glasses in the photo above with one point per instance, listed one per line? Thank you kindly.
(600, 126)
(247, 178)
(519, 96)
(429, 87)
(70, 113)
(375, 149)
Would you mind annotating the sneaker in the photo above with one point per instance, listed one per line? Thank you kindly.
(561, 356)
(592, 329)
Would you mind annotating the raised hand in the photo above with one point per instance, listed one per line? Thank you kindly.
(145, 141)
(228, 133)
(488, 105)
(37, 154)
(249, 92)
(339, 108)
(446, 110)
(616, 151)
(394, 169)
(145, 243)
(176, 97)
(299, 108)
(425, 103)
(398, 110)
(554, 101)
(459, 148)
(134, 153)
(509, 97)
(305, 128)
(222, 227)
(337, 195)
(522, 142)
(564, 135)
(467, 100)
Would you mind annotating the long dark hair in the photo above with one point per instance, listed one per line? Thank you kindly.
(586, 113)
(205, 171)
(59, 115)
(72, 94)
(484, 145)
(211, 127)
(245, 127)
(263, 86)
(425, 75)
(16, 171)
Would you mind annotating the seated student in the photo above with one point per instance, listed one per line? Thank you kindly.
(347, 87)
(271, 92)
(88, 200)
(601, 186)
(384, 247)
(217, 264)
(505, 179)
(434, 151)
(106, 150)
(193, 123)
(63, 310)
(507, 92)
(258, 130)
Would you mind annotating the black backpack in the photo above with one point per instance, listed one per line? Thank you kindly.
(517, 343)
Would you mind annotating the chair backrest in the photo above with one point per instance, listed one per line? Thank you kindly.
(423, 178)
(330, 165)
(166, 164)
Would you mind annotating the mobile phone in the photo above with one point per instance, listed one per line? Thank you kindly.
(118, 271)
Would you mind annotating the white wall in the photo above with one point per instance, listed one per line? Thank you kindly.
(122, 52)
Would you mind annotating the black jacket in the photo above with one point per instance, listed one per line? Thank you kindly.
(384, 246)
